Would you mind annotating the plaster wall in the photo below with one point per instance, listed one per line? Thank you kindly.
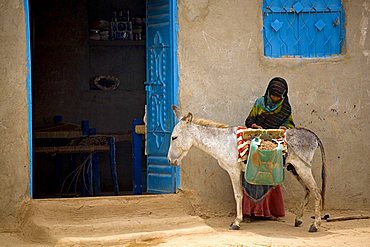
(222, 71)
(13, 112)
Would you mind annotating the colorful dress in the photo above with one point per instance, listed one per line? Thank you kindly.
(264, 200)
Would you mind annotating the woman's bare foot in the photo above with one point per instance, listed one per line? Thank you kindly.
(247, 219)
(276, 219)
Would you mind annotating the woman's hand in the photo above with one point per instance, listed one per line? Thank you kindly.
(255, 126)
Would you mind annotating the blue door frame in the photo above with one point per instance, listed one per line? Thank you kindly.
(161, 177)
(29, 92)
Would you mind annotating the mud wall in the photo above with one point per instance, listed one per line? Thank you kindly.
(223, 70)
(13, 112)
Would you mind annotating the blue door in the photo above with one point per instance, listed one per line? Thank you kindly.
(161, 93)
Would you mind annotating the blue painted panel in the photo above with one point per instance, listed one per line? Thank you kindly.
(278, 6)
(280, 37)
(320, 34)
(137, 158)
(161, 177)
(29, 92)
(294, 6)
(321, 5)
(161, 92)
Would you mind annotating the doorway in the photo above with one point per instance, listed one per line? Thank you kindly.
(89, 65)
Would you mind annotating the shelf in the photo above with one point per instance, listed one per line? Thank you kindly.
(117, 42)
(112, 92)
(57, 134)
(72, 149)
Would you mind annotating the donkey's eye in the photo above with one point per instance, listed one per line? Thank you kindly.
(174, 138)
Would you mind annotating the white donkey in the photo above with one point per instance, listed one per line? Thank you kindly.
(220, 141)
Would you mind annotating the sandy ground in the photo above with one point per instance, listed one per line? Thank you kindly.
(169, 220)
(281, 233)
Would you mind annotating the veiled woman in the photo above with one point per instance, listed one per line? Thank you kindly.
(271, 111)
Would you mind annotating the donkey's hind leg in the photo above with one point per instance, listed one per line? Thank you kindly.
(304, 172)
(298, 219)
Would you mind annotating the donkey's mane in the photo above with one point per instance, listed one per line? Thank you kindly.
(209, 123)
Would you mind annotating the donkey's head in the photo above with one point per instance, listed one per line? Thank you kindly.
(181, 139)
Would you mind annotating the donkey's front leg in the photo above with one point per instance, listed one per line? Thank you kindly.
(235, 177)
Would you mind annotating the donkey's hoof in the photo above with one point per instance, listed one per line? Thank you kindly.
(325, 217)
(298, 223)
(234, 226)
(312, 229)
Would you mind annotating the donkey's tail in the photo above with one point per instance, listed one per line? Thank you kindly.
(323, 173)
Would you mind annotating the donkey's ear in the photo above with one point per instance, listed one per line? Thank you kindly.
(176, 110)
(188, 118)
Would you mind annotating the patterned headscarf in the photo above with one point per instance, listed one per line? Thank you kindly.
(269, 114)
(277, 87)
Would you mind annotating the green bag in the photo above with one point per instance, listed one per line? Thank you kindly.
(264, 167)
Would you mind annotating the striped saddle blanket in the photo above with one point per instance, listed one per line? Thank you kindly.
(245, 135)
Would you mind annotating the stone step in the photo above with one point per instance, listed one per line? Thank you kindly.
(112, 226)
(112, 219)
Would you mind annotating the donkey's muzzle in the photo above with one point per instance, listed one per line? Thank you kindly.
(172, 162)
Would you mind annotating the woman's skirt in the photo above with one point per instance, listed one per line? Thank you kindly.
(263, 201)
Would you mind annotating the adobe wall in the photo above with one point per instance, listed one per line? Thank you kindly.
(14, 145)
(222, 71)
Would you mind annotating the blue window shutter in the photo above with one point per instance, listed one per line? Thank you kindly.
(321, 5)
(303, 28)
(320, 34)
(278, 6)
(280, 36)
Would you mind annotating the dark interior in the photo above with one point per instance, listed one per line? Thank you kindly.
(87, 82)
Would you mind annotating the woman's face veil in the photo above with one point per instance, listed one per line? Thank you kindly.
(278, 87)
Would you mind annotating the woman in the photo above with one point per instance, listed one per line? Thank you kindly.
(271, 111)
